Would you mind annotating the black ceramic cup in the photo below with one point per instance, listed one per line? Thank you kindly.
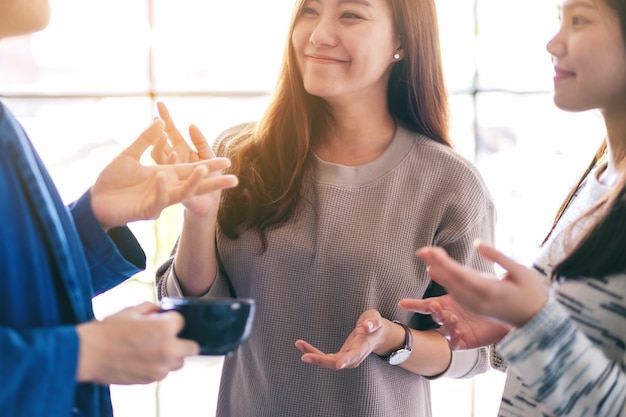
(219, 325)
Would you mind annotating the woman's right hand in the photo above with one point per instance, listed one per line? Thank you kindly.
(137, 345)
(177, 150)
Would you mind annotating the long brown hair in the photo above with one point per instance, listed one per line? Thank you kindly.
(270, 157)
(602, 249)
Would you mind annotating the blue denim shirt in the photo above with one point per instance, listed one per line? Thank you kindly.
(53, 260)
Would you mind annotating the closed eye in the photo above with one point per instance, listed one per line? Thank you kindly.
(350, 15)
(308, 11)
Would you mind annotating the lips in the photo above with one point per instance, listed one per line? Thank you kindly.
(324, 59)
(561, 74)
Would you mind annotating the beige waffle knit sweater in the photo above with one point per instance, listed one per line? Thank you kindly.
(350, 247)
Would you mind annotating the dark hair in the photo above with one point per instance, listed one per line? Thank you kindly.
(600, 252)
(270, 157)
(620, 8)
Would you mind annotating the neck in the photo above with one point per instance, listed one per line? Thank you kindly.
(360, 133)
(357, 141)
(616, 145)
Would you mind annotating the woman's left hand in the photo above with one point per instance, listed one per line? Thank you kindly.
(175, 150)
(463, 329)
(368, 333)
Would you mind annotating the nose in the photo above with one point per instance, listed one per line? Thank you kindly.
(556, 45)
(323, 33)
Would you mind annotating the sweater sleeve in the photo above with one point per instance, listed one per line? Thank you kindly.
(472, 220)
(168, 284)
(563, 368)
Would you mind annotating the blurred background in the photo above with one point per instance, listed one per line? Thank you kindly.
(86, 86)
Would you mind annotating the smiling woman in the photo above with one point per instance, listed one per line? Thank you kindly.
(355, 133)
(192, 55)
(358, 30)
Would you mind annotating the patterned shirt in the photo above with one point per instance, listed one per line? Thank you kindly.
(570, 359)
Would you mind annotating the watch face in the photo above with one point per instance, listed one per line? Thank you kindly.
(399, 356)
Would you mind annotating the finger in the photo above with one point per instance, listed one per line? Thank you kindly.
(456, 342)
(216, 163)
(441, 268)
(144, 308)
(148, 137)
(325, 361)
(200, 143)
(438, 314)
(349, 359)
(189, 348)
(173, 133)
(188, 186)
(306, 347)
(448, 322)
(167, 194)
(176, 320)
(161, 151)
(162, 197)
(164, 113)
(329, 361)
(371, 326)
(210, 184)
(422, 306)
(183, 170)
(495, 255)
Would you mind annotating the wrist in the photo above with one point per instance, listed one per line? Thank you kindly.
(393, 338)
(195, 218)
(399, 351)
(540, 303)
(85, 367)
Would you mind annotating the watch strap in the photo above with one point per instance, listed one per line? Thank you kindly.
(408, 342)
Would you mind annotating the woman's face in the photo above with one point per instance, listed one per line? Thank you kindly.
(589, 57)
(20, 17)
(345, 48)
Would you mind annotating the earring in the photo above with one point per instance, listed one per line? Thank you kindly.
(396, 56)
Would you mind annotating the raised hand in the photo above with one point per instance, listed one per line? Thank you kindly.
(175, 149)
(366, 336)
(138, 345)
(514, 299)
(463, 329)
(128, 191)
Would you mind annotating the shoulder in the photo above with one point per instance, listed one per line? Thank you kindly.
(440, 162)
(445, 175)
(10, 128)
(234, 131)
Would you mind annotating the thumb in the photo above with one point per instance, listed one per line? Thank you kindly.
(200, 143)
(144, 308)
(148, 137)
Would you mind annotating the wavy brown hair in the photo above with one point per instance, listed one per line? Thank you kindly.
(601, 251)
(271, 156)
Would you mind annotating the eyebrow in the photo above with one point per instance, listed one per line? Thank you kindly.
(361, 2)
(576, 4)
(342, 2)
